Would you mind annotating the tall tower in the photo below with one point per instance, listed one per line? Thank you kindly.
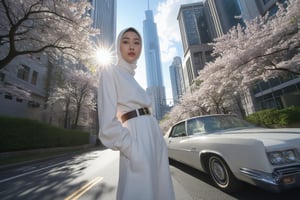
(155, 87)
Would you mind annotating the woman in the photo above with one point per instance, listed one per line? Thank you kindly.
(127, 125)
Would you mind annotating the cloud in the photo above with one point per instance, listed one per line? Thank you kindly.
(168, 28)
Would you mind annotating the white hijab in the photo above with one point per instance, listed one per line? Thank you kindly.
(130, 67)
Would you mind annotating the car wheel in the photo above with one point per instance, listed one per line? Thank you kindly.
(222, 175)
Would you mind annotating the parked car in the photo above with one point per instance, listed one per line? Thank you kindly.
(233, 151)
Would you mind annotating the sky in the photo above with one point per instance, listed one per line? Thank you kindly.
(131, 13)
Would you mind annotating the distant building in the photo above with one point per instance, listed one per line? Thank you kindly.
(253, 9)
(200, 23)
(177, 80)
(222, 15)
(104, 15)
(195, 35)
(30, 74)
(155, 87)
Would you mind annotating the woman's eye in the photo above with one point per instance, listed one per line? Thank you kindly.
(125, 42)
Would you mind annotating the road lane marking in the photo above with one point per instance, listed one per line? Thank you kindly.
(78, 193)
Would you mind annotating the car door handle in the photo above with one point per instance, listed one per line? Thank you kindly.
(169, 142)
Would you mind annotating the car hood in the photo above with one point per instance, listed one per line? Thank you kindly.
(270, 137)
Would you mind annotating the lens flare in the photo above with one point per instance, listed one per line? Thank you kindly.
(103, 56)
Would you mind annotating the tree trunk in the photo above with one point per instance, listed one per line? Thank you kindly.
(66, 113)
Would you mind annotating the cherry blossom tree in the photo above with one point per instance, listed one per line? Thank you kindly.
(265, 48)
(76, 96)
(54, 26)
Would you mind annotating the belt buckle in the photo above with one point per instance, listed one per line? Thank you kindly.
(145, 111)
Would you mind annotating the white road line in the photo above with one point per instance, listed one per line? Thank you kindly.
(31, 172)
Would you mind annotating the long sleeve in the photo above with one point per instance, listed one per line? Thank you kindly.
(112, 134)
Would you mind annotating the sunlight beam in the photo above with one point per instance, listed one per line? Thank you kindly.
(103, 56)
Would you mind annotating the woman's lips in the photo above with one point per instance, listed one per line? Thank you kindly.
(131, 54)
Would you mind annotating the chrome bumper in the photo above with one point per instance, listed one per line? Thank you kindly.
(281, 179)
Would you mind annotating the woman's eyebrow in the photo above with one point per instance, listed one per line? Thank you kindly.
(127, 38)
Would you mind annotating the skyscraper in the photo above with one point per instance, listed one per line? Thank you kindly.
(195, 35)
(252, 9)
(177, 80)
(155, 87)
(249, 9)
(222, 15)
(104, 17)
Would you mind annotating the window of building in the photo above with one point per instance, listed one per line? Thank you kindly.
(290, 89)
(34, 77)
(264, 85)
(2, 76)
(274, 82)
(8, 96)
(266, 1)
(23, 72)
(197, 58)
(19, 100)
(33, 104)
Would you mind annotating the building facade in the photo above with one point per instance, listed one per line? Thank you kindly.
(222, 15)
(29, 74)
(195, 35)
(253, 9)
(155, 87)
(104, 15)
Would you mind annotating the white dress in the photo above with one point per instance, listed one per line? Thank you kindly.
(144, 172)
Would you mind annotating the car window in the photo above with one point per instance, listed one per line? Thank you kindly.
(179, 130)
(211, 124)
(195, 126)
(223, 122)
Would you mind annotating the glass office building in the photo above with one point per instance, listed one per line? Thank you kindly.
(155, 87)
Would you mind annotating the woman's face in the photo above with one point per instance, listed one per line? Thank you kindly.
(130, 46)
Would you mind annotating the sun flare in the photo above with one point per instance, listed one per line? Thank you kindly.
(103, 56)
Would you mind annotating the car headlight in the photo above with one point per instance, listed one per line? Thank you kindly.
(282, 157)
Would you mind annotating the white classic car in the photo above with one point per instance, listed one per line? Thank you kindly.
(233, 151)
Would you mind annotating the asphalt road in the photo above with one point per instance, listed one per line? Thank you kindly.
(199, 186)
(94, 174)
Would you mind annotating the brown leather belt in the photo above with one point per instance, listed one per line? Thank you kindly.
(135, 113)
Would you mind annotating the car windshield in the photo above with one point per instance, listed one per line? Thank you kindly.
(213, 123)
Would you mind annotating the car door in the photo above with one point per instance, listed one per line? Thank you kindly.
(177, 134)
(189, 145)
